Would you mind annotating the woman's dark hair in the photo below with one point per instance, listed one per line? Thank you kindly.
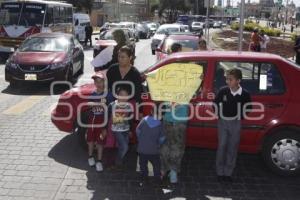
(176, 47)
(127, 50)
(202, 42)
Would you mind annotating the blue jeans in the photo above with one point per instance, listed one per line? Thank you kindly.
(154, 160)
(122, 141)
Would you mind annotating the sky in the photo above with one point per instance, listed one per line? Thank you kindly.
(297, 2)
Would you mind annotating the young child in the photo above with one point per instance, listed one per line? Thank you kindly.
(96, 131)
(150, 135)
(121, 112)
(230, 102)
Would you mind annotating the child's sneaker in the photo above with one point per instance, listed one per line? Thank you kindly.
(91, 161)
(173, 177)
(99, 167)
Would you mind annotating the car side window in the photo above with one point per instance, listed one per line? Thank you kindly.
(258, 78)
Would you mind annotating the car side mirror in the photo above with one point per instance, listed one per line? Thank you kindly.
(132, 39)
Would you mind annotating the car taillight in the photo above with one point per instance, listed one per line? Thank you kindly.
(2, 32)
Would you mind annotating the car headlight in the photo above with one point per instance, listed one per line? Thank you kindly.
(12, 64)
(59, 64)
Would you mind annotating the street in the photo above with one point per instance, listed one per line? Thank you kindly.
(39, 162)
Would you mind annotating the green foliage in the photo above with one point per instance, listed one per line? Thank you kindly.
(173, 6)
(294, 37)
(250, 26)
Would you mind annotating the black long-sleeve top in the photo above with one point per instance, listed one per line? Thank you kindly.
(133, 75)
(229, 105)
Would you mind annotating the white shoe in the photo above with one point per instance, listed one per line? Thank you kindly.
(91, 161)
(99, 167)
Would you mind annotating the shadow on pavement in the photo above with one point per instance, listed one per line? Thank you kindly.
(197, 179)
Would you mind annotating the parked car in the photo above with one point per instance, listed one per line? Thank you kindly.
(143, 31)
(133, 27)
(161, 33)
(106, 39)
(270, 79)
(217, 24)
(45, 57)
(188, 41)
(153, 28)
(197, 26)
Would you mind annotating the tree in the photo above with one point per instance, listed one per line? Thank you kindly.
(173, 8)
(82, 5)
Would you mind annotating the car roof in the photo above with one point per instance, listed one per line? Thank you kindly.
(226, 54)
(54, 35)
(183, 36)
(170, 25)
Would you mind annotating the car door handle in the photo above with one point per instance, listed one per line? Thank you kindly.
(274, 105)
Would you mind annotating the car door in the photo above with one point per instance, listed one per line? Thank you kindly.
(266, 86)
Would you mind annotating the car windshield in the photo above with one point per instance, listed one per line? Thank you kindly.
(10, 13)
(30, 15)
(40, 44)
(196, 24)
(166, 30)
(187, 45)
(107, 35)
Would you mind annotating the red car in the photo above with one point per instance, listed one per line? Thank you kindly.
(45, 57)
(188, 41)
(273, 131)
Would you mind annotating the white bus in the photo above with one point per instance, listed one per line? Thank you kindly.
(22, 18)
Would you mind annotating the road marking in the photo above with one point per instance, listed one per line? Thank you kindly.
(23, 105)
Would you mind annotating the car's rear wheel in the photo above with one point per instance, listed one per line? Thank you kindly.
(281, 152)
(153, 52)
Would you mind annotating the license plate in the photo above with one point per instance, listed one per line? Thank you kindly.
(30, 77)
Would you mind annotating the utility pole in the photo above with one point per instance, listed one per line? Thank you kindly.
(286, 11)
(207, 22)
(241, 31)
(197, 7)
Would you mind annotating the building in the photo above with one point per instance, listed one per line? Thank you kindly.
(266, 8)
(252, 10)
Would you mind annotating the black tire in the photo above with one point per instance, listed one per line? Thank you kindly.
(273, 147)
(153, 52)
(69, 75)
(81, 70)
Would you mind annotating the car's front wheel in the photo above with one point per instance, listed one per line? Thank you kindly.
(281, 152)
(153, 52)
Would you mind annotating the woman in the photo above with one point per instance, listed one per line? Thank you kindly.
(174, 126)
(125, 71)
(202, 45)
(255, 41)
(109, 55)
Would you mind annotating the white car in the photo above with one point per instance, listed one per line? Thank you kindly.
(197, 26)
(132, 26)
(162, 31)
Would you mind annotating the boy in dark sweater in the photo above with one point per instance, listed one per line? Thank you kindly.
(231, 101)
(150, 135)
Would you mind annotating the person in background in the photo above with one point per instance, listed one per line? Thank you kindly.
(264, 41)
(88, 34)
(297, 50)
(231, 104)
(202, 45)
(255, 41)
(150, 136)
